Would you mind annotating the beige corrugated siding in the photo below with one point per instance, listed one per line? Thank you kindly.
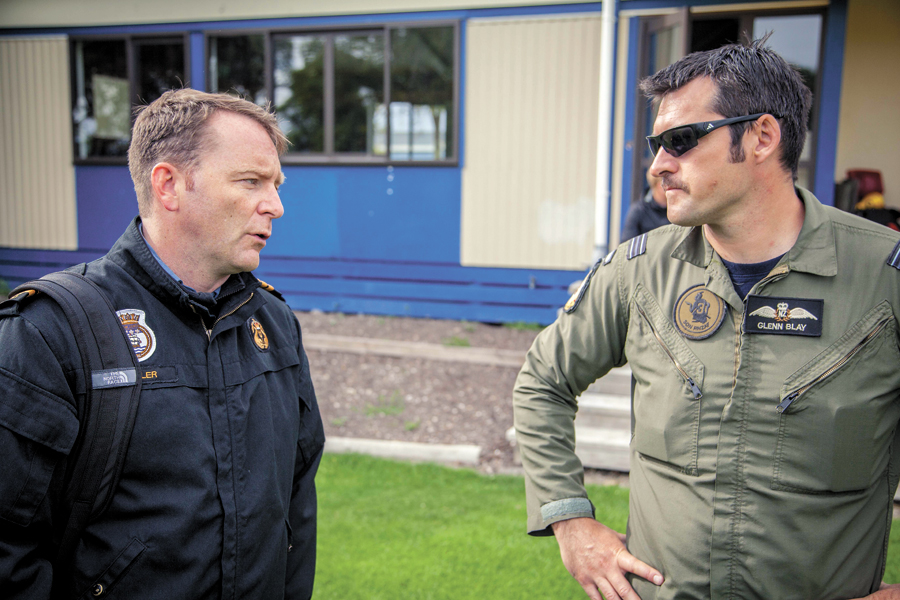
(530, 142)
(37, 179)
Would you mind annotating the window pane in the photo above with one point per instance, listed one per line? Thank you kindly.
(300, 91)
(160, 67)
(102, 109)
(359, 93)
(237, 65)
(421, 93)
(797, 38)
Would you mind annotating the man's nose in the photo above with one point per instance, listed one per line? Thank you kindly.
(663, 162)
(272, 204)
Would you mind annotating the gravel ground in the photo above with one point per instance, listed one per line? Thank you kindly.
(418, 400)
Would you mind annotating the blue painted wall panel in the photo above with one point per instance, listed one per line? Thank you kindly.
(309, 226)
(106, 205)
(407, 213)
(374, 213)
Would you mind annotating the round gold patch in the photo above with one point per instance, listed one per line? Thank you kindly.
(259, 334)
(698, 313)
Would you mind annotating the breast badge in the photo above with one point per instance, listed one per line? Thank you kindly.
(698, 313)
(142, 338)
(258, 334)
(784, 316)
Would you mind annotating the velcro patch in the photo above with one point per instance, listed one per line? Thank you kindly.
(894, 257)
(573, 302)
(784, 316)
(637, 246)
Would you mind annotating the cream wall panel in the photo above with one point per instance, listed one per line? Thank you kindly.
(70, 13)
(869, 124)
(37, 179)
(530, 148)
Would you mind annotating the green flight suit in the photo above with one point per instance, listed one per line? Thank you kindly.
(732, 496)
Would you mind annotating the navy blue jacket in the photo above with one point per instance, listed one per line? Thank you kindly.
(217, 497)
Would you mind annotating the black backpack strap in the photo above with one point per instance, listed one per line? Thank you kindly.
(113, 387)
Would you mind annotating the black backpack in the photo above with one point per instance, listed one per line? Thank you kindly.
(106, 416)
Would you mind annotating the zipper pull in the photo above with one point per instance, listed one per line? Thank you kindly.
(694, 389)
(788, 400)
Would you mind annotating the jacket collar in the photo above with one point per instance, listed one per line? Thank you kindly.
(132, 254)
(814, 252)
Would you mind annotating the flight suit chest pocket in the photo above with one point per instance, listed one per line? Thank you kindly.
(668, 378)
(837, 413)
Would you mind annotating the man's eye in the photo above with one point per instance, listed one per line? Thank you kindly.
(251, 181)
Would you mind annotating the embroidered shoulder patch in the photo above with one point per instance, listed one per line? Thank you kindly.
(637, 246)
(698, 313)
(784, 316)
(258, 334)
(142, 338)
(894, 257)
(575, 300)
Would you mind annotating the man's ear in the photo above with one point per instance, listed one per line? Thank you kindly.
(767, 138)
(168, 183)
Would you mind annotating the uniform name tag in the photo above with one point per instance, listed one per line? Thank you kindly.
(784, 316)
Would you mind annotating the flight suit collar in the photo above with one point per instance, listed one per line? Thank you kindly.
(814, 251)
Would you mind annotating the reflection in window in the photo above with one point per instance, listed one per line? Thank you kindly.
(102, 108)
(299, 90)
(359, 94)
(237, 66)
(160, 67)
(421, 93)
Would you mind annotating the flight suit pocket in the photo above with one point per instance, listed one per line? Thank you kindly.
(839, 411)
(668, 379)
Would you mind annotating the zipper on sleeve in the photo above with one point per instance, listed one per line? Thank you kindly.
(790, 398)
(695, 389)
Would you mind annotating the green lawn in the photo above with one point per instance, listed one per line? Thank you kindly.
(391, 530)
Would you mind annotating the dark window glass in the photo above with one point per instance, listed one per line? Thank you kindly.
(101, 110)
(359, 111)
(300, 90)
(160, 67)
(237, 65)
(421, 93)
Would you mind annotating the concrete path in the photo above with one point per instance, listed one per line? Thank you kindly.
(400, 349)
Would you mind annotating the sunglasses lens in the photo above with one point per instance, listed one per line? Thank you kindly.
(678, 141)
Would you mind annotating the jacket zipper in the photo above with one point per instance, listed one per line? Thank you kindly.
(694, 389)
(773, 276)
(789, 399)
(228, 314)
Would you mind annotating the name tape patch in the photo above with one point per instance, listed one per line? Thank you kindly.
(112, 378)
(784, 316)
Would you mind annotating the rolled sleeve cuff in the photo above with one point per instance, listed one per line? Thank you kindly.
(561, 510)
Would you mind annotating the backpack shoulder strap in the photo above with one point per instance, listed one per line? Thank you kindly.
(111, 400)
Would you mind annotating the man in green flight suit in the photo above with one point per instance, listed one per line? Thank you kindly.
(761, 330)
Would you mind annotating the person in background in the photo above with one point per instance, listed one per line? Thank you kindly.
(647, 214)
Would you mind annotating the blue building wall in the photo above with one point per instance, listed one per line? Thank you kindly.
(379, 239)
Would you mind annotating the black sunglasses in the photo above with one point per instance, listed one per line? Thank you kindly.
(679, 140)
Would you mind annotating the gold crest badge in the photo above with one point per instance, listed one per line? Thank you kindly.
(698, 313)
(258, 334)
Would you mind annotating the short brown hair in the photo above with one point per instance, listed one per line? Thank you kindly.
(749, 79)
(172, 128)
